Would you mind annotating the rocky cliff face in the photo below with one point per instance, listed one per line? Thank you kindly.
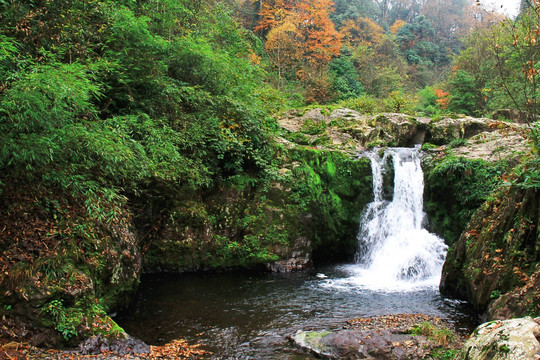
(312, 209)
(495, 264)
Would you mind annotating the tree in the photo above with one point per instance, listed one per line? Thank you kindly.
(283, 48)
(351, 10)
(346, 84)
(398, 24)
(320, 38)
(273, 13)
(516, 46)
(464, 94)
(361, 31)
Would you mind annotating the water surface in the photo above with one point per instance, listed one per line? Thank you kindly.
(250, 316)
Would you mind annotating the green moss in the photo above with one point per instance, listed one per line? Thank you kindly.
(455, 188)
(312, 127)
(334, 199)
(297, 137)
(316, 335)
(376, 143)
(457, 143)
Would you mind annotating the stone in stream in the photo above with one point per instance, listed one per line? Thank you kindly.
(354, 344)
(129, 345)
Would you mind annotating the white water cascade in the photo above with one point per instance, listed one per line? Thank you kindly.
(395, 251)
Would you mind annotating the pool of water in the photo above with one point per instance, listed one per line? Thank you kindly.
(250, 316)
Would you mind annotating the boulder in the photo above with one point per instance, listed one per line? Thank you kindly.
(515, 339)
(348, 130)
(96, 345)
(353, 344)
(447, 129)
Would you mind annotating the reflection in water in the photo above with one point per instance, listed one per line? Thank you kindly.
(246, 316)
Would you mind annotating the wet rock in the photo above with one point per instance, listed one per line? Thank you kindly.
(98, 344)
(515, 339)
(519, 300)
(299, 261)
(354, 344)
(348, 130)
(378, 337)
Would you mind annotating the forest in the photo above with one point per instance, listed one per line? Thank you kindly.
(182, 90)
(113, 110)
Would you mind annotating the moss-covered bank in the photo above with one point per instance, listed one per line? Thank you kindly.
(314, 208)
(65, 262)
(455, 187)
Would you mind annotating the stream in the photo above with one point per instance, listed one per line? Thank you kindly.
(251, 316)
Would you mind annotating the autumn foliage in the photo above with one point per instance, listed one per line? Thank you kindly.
(318, 34)
(398, 24)
(299, 35)
(442, 98)
(361, 31)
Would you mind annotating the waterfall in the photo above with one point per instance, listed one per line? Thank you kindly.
(395, 250)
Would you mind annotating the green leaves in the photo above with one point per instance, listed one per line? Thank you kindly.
(465, 95)
(49, 97)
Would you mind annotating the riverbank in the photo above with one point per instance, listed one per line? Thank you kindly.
(397, 335)
(176, 349)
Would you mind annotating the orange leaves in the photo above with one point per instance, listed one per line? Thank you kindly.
(273, 13)
(530, 71)
(13, 351)
(473, 233)
(317, 31)
(442, 98)
(304, 25)
(398, 24)
(176, 349)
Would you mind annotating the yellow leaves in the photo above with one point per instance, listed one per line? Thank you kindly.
(398, 24)
(361, 31)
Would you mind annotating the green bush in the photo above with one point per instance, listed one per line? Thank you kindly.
(364, 104)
